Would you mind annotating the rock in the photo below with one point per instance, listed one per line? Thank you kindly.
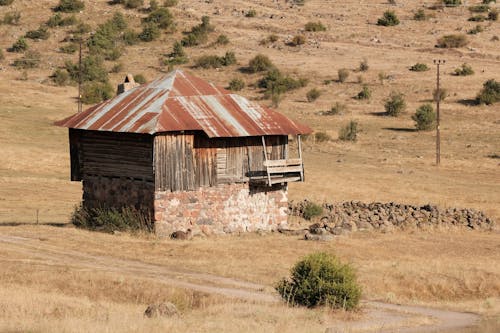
(184, 235)
(165, 309)
(323, 238)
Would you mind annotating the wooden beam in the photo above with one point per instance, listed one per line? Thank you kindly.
(265, 159)
(300, 156)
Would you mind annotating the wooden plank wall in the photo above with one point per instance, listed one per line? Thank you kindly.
(205, 161)
(75, 153)
(110, 154)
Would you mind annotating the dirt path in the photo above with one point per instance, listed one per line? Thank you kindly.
(379, 316)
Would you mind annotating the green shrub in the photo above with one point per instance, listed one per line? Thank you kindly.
(112, 219)
(132, 4)
(117, 68)
(363, 65)
(338, 108)
(19, 46)
(276, 83)
(420, 15)
(95, 92)
(170, 3)
(60, 77)
(349, 132)
(82, 28)
(199, 33)
(236, 84)
(452, 41)
(69, 48)
(419, 67)
(464, 70)
(153, 5)
(57, 20)
(69, 6)
(40, 33)
(479, 8)
(31, 59)
(139, 78)
(12, 18)
(493, 15)
(178, 55)
(311, 210)
(298, 40)
(388, 19)
(440, 94)
(477, 29)
(321, 137)
(313, 95)
(251, 13)
(161, 18)
(425, 118)
(149, 33)
(130, 37)
(92, 69)
(365, 93)
(452, 3)
(222, 40)
(107, 38)
(213, 61)
(490, 93)
(343, 75)
(477, 18)
(395, 104)
(315, 26)
(321, 279)
(6, 2)
(260, 63)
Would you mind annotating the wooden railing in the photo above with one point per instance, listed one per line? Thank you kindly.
(280, 171)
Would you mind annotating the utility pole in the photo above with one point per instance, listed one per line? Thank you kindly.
(80, 78)
(438, 62)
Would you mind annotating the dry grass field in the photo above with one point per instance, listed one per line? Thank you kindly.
(389, 162)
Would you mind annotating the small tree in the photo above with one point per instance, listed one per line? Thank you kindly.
(388, 19)
(321, 279)
(425, 118)
(349, 132)
(94, 92)
(490, 93)
(311, 210)
(395, 104)
(343, 75)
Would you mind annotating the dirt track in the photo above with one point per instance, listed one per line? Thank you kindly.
(388, 317)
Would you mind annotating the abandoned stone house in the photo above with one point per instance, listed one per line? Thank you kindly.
(190, 153)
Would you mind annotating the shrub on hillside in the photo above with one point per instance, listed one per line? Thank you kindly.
(321, 137)
(464, 70)
(95, 92)
(2, 56)
(112, 219)
(272, 38)
(276, 83)
(260, 63)
(365, 93)
(214, 61)
(222, 40)
(130, 37)
(69, 6)
(92, 69)
(452, 41)
(132, 4)
(477, 18)
(419, 67)
(236, 84)
(161, 18)
(311, 210)
(452, 3)
(41, 33)
(425, 118)
(199, 33)
(60, 77)
(177, 57)
(388, 19)
(420, 15)
(313, 95)
(69, 48)
(139, 78)
(149, 33)
(343, 74)
(490, 93)
(321, 279)
(6, 2)
(31, 59)
(493, 15)
(251, 13)
(482, 8)
(57, 20)
(11, 18)
(315, 26)
(395, 104)
(170, 3)
(477, 29)
(298, 40)
(349, 132)
(107, 38)
(363, 65)
(19, 45)
(338, 108)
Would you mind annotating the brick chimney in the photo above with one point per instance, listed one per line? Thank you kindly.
(127, 84)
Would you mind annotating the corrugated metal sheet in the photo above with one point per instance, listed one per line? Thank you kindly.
(182, 102)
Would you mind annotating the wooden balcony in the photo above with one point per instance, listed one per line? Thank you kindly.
(284, 171)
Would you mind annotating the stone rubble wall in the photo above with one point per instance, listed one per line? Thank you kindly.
(341, 218)
(225, 208)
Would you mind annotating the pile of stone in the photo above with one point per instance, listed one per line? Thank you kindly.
(342, 218)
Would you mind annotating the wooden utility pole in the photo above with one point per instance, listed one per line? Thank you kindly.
(80, 78)
(438, 62)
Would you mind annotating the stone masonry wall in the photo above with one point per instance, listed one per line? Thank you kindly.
(226, 208)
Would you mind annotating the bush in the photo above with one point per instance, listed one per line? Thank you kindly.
(178, 55)
(477, 18)
(419, 67)
(260, 63)
(338, 108)
(222, 40)
(298, 40)
(161, 18)
(477, 29)
(149, 33)
(69, 6)
(321, 137)
(343, 75)
(321, 279)
(420, 15)
(95, 92)
(388, 19)
(382, 77)
(479, 8)
(425, 118)
(311, 210)
(130, 37)
(365, 93)
(31, 59)
(105, 42)
(251, 13)
(132, 4)
(92, 69)
(452, 3)
(112, 219)
(69, 48)
(363, 65)
(490, 93)
(57, 20)
(40, 33)
(198, 34)
(464, 70)
(117, 68)
(452, 41)
(60, 77)
(493, 15)
(6, 2)
(19, 46)
(395, 104)
(12, 18)
(272, 38)
(313, 95)
(275, 83)
(213, 61)
(170, 3)
(315, 26)
(349, 132)
(236, 84)
(440, 94)
(139, 78)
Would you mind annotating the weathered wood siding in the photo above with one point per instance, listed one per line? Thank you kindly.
(109, 154)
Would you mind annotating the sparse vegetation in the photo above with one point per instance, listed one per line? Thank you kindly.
(177, 57)
(425, 118)
(464, 70)
(336, 109)
(452, 3)
(321, 137)
(162, 18)
(70, 6)
(321, 279)
(222, 40)
(260, 63)
(349, 132)
(382, 77)
(477, 29)
(477, 18)
(363, 65)
(31, 59)
(236, 84)
(272, 38)
(214, 61)
(298, 40)
(251, 13)
(482, 8)
(420, 15)
(343, 74)
(112, 219)
(419, 67)
(365, 93)
(19, 45)
(276, 83)
(57, 20)
(149, 33)
(198, 34)
(60, 77)
(395, 104)
(493, 15)
(2, 56)
(12, 18)
(95, 92)
(132, 4)
(170, 3)
(490, 93)
(313, 95)
(41, 33)
(315, 26)
(388, 19)
(452, 41)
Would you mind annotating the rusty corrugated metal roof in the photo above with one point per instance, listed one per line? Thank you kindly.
(183, 102)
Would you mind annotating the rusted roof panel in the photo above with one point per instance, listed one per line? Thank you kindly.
(180, 101)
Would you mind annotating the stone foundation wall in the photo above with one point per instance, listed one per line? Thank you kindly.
(226, 208)
(117, 192)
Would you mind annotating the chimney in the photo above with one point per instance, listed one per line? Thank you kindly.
(127, 84)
